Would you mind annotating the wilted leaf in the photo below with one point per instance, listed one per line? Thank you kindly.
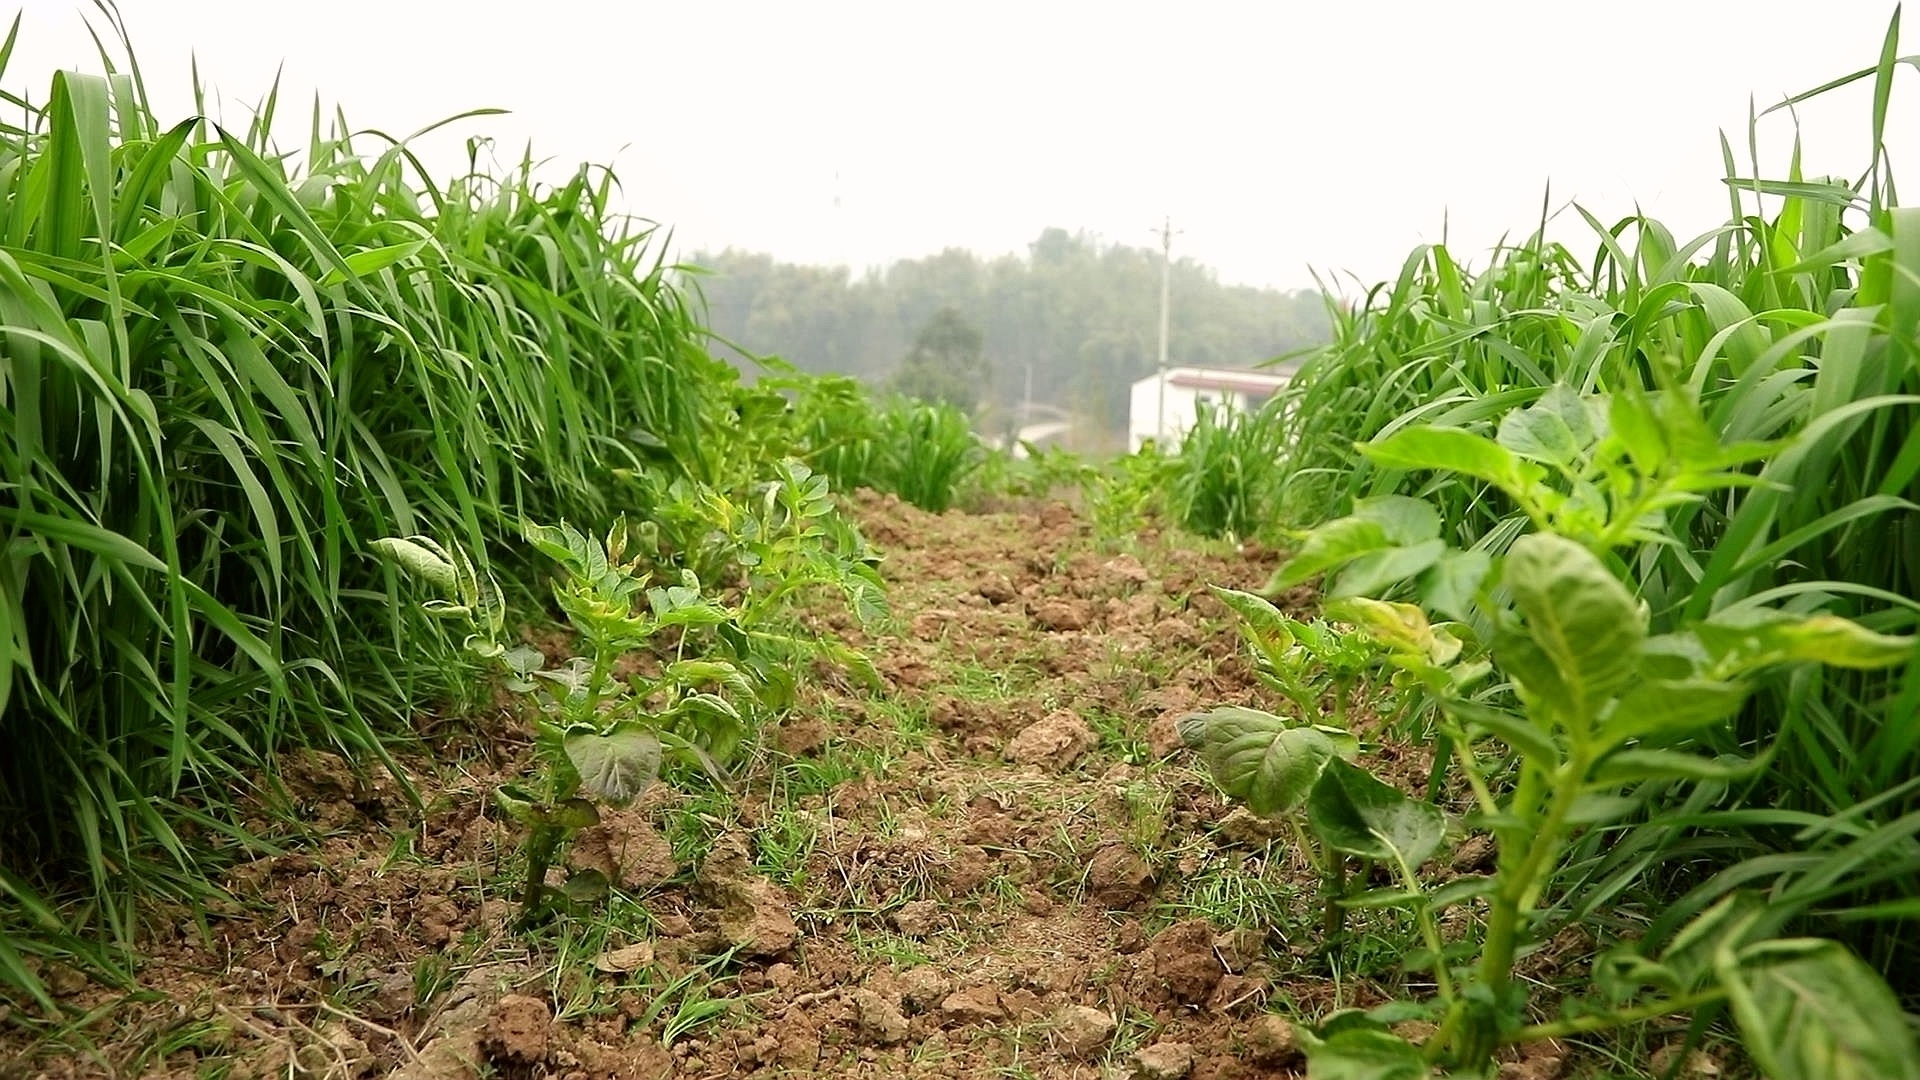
(422, 558)
(1267, 761)
(1352, 811)
(615, 767)
(1811, 1010)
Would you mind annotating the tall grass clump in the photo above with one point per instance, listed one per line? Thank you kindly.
(226, 370)
(1793, 333)
(1226, 480)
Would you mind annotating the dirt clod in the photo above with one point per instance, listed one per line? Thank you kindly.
(973, 1005)
(879, 1019)
(1055, 742)
(1118, 879)
(1273, 1041)
(918, 918)
(1082, 1031)
(1060, 615)
(1184, 962)
(1163, 1061)
(518, 1031)
(923, 987)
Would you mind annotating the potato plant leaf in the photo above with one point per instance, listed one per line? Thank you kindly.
(1266, 761)
(1451, 449)
(1584, 622)
(1812, 1010)
(1365, 1054)
(615, 767)
(1671, 707)
(1352, 811)
(1754, 639)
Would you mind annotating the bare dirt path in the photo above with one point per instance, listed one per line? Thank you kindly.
(997, 863)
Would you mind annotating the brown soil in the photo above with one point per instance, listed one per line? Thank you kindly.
(998, 863)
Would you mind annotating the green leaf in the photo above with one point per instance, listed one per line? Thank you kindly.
(1454, 450)
(1365, 1054)
(574, 813)
(1581, 618)
(1377, 524)
(1376, 570)
(1752, 639)
(1632, 766)
(1671, 707)
(1557, 429)
(1333, 544)
(1402, 627)
(586, 886)
(1516, 731)
(1266, 761)
(1403, 519)
(1812, 1010)
(615, 767)
(371, 260)
(1352, 811)
(1452, 585)
(518, 804)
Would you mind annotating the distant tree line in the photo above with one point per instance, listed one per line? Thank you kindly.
(1078, 317)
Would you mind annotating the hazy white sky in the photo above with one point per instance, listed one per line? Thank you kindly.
(1280, 136)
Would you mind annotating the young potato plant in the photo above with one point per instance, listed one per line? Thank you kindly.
(1305, 662)
(782, 540)
(1596, 711)
(600, 734)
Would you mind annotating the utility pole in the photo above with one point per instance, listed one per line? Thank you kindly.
(1166, 293)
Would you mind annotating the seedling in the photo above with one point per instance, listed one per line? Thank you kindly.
(598, 737)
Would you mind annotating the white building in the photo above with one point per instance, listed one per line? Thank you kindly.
(1186, 388)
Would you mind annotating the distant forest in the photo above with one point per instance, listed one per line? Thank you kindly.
(1080, 317)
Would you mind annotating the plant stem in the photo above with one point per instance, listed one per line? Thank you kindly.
(1334, 919)
(1519, 887)
(539, 856)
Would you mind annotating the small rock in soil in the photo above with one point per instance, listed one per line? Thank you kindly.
(923, 987)
(997, 589)
(1164, 1061)
(1699, 1065)
(1118, 879)
(1236, 994)
(757, 918)
(1082, 1031)
(1244, 828)
(918, 919)
(974, 1005)
(517, 1031)
(1055, 742)
(1183, 959)
(879, 1020)
(1240, 949)
(1475, 853)
(621, 961)
(1060, 615)
(1272, 1040)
